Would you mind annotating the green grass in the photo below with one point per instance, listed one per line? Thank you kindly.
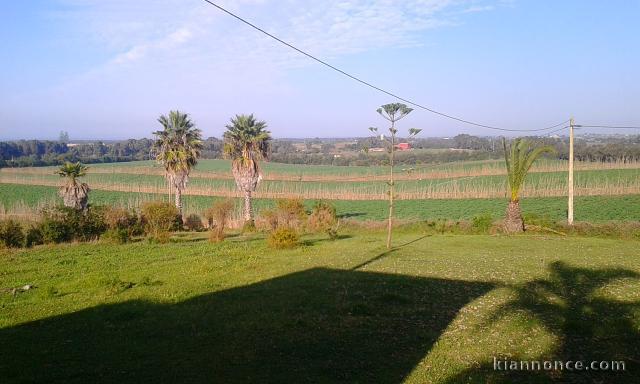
(434, 310)
(587, 208)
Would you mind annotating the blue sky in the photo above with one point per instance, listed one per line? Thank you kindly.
(108, 69)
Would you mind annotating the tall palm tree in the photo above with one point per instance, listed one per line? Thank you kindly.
(178, 148)
(246, 142)
(518, 158)
(74, 194)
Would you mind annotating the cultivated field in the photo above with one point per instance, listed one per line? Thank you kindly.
(436, 309)
(461, 190)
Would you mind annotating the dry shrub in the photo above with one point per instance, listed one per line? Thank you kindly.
(291, 214)
(283, 238)
(160, 219)
(218, 216)
(323, 218)
(270, 218)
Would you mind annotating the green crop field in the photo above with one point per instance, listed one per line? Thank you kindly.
(453, 191)
(588, 208)
(435, 309)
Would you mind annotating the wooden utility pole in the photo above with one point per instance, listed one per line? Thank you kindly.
(570, 207)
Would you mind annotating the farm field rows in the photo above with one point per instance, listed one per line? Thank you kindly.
(453, 181)
(27, 199)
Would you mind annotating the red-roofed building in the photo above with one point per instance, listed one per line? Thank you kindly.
(403, 146)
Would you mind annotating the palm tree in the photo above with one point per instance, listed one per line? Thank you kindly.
(74, 194)
(177, 148)
(518, 158)
(246, 142)
(393, 112)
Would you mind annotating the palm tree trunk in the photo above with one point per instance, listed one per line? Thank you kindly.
(248, 214)
(179, 200)
(513, 222)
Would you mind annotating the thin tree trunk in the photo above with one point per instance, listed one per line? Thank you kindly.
(513, 222)
(391, 188)
(248, 214)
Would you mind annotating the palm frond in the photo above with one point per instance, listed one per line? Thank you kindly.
(178, 146)
(519, 158)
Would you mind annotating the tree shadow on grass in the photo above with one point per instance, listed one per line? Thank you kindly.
(348, 215)
(590, 326)
(311, 242)
(386, 253)
(318, 325)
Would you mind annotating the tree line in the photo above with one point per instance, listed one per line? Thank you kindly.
(28, 153)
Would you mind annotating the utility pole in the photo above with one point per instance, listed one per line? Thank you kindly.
(570, 208)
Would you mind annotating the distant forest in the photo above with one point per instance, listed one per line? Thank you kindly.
(25, 153)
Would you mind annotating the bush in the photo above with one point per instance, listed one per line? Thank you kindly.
(11, 234)
(193, 222)
(33, 237)
(117, 235)
(482, 223)
(323, 218)
(291, 213)
(283, 238)
(160, 219)
(270, 217)
(62, 224)
(217, 217)
(55, 227)
(122, 224)
(91, 223)
(249, 226)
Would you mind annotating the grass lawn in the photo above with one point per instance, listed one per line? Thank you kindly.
(435, 309)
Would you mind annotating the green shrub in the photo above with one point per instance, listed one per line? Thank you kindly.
(482, 223)
(249, 226)
(62, 224)
(57, 226)
(218, 216)
(91, 223)
(11, 234)
(117, 235)
(283, 238)
(122, 224)
(160, 219)
(33, 237)
(193, 222)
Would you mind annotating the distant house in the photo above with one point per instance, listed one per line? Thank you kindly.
(376, 149)
(403, 146)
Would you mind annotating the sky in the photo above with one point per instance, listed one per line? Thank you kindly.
(106, 69)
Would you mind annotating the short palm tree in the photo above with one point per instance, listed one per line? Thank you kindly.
(518, 158)
(246, 142)
(74, 194)
(177, 147)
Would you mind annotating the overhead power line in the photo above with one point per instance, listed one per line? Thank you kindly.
(374, 86)
(606, 126)
(556, 130)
